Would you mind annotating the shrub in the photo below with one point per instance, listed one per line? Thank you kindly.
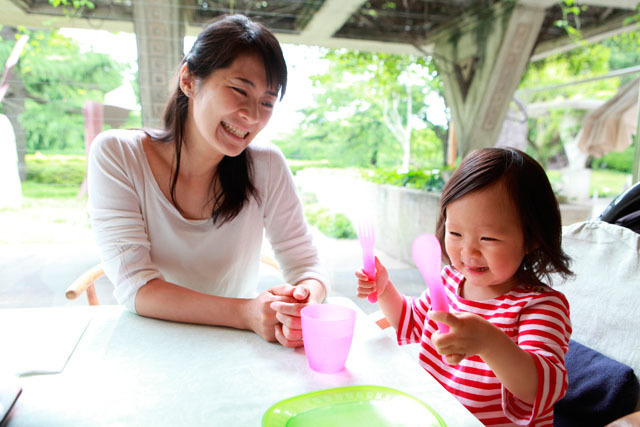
(56, 169)
(423, 180)
(619, 161)
(331, 224)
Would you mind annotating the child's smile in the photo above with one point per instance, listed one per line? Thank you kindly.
(484, 241)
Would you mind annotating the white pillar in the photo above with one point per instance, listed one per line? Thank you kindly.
(159, 28)
(10, 189)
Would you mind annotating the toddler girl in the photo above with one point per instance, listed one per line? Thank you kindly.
(500, 228)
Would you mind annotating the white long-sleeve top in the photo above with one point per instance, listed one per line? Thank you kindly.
(142, 236)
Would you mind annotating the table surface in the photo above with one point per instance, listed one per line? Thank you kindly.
(131, 370)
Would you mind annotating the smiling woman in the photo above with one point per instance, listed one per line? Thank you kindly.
(179, 213)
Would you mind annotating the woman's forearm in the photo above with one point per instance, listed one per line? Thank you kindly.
(164, 300)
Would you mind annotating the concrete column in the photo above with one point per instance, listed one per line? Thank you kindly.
(481, 62)
(159, 28)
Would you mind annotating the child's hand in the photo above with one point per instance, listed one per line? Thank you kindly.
(261, 317)
(468, 335)
(292, 299)
(366, 286)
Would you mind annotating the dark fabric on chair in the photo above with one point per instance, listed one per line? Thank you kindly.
(600, 389)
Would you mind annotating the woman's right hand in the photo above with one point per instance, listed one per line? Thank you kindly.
(261, 318)
(366, 286)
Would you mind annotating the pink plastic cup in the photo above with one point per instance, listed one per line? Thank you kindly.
(327, 331)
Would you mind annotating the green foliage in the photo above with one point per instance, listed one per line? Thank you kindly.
(618, 161)
(419, 179)
(548, 133)
(67, 170)
(331, 224)
(59, 79)
(361, 108)
(298, 165)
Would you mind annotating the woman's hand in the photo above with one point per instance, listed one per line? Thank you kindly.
(288, 329)
(261, 318)
(379, 285)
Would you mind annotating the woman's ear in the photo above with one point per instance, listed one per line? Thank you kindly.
(186, 80)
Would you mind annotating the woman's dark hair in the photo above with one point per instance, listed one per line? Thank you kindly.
(216, 47)
(530, 192)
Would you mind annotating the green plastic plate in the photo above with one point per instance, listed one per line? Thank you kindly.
(365, 405)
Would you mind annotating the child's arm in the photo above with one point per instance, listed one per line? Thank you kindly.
(473, 335)
(389, 299)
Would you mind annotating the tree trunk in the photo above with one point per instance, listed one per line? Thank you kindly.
(13, 104)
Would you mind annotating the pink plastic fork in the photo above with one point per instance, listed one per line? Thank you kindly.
(367, 237)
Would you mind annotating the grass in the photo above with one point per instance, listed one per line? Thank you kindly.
(34, 190)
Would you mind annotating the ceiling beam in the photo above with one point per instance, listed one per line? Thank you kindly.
(14, 16)
(331, 16)
(589, 35)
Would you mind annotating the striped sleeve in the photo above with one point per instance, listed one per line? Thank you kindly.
(412, 327)
(412, 318)
(544, 328)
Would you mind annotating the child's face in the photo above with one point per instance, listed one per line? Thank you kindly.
(484, 240)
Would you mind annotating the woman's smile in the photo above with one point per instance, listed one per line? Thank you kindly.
(235, 131)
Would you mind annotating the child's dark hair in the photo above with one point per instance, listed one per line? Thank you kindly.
(530, 191)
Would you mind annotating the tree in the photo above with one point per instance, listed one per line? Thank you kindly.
(369, 110)
(548, 133)
(50, 85)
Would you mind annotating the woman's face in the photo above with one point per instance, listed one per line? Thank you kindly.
(228, 108)
(484, 240)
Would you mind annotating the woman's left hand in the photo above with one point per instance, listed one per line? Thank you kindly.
(289, 329)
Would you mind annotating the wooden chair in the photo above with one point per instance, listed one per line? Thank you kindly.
(85, 282)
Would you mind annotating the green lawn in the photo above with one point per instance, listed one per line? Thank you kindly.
(608, 183)
(37, 190)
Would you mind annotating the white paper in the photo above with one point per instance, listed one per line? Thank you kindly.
(37, 341)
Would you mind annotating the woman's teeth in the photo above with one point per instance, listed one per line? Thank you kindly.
(234, 130)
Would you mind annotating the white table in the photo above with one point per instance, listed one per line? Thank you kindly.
(129, 370)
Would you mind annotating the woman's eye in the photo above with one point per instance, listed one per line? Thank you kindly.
(240, 91)
(488, 239)
(268, 104)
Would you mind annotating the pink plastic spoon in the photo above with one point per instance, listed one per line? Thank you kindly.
(428, 258)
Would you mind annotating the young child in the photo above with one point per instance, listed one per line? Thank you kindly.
(500, 230)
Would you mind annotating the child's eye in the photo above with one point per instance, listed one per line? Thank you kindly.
(488, 239)
(454, 233)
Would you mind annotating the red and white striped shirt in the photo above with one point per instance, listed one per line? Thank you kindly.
(537, 319)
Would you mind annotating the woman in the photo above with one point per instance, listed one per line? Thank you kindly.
(179, 213)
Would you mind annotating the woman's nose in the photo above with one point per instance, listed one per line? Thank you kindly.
(250, 112)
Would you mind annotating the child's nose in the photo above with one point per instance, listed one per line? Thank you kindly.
(470, 251)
